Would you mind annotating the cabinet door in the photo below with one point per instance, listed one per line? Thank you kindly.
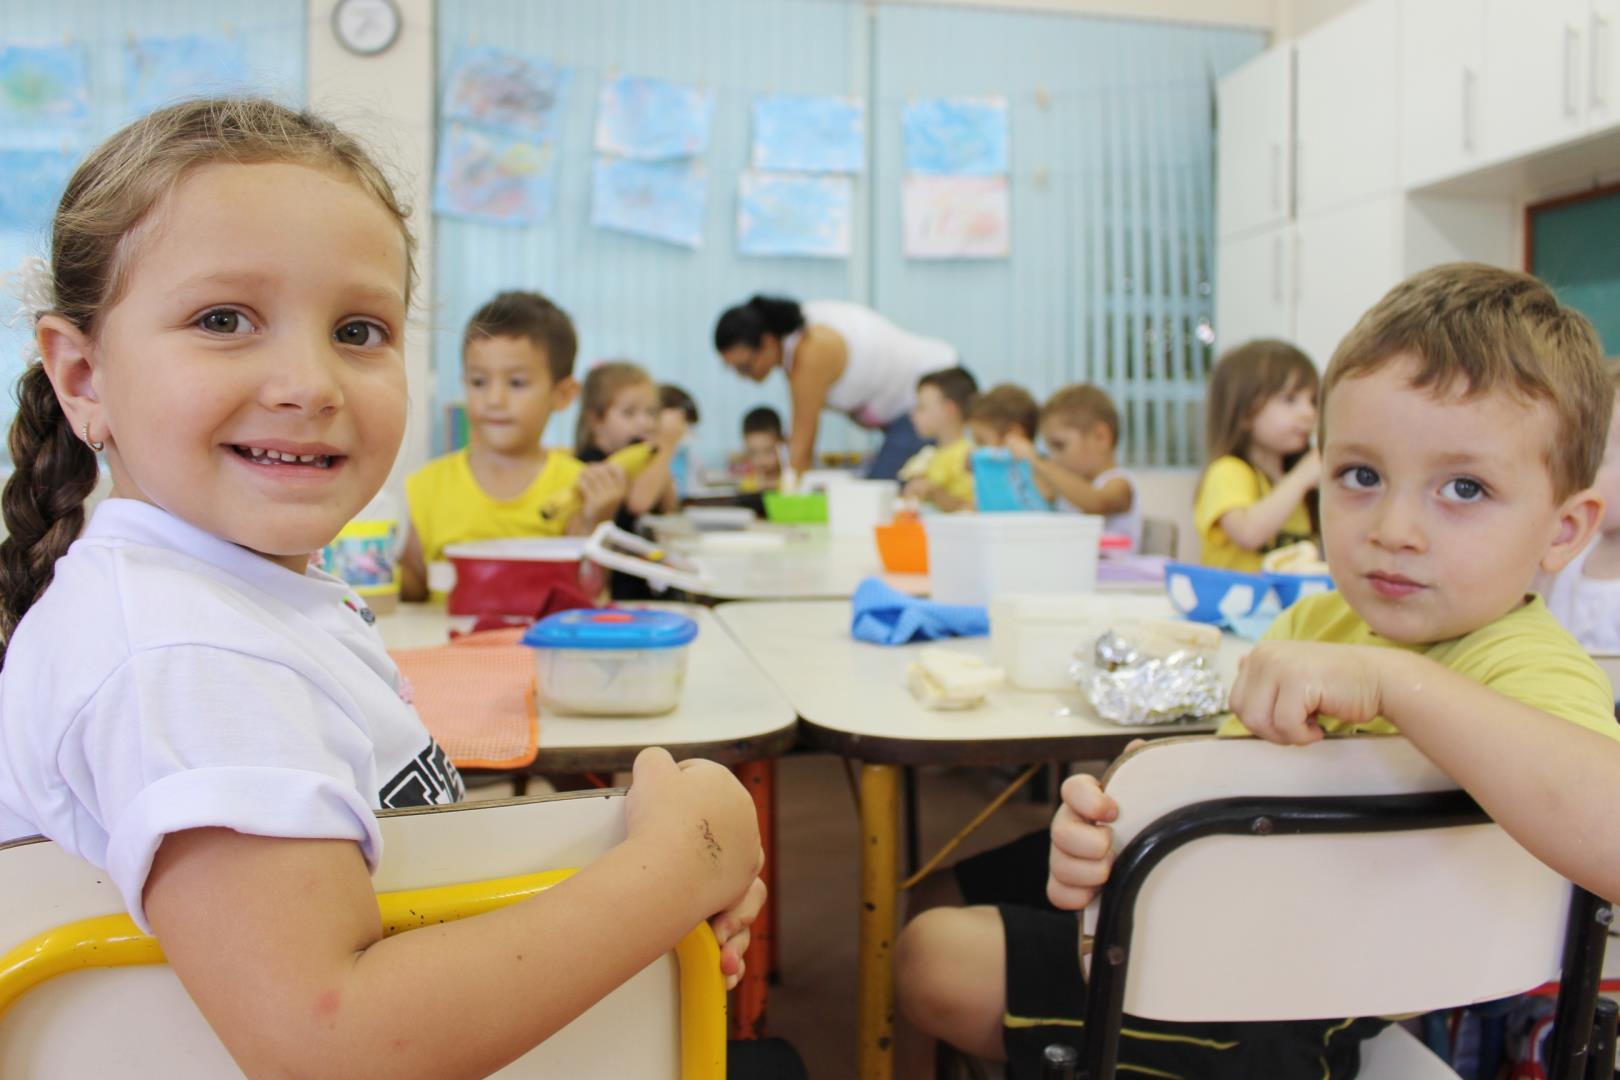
(1254, 122)
(1442, 56)
(1536, 55)
(1345, 74)
(1603, 111)
(1253, 287)
(1347, 259)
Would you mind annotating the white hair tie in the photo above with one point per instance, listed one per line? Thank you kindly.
(31, 287)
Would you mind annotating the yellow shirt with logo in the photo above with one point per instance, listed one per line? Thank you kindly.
(1525, 655)
(949, 470)
(448, 506)
(1230, 483)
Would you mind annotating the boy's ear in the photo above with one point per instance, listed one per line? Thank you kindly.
(563, 393)
(1578, 519)
(69, 360)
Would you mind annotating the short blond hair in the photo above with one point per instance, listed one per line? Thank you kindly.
(1476, 330)
(1082, 406)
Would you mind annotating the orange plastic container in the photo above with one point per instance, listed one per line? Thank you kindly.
(903, 546)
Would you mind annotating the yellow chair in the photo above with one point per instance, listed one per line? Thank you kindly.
(75, 969)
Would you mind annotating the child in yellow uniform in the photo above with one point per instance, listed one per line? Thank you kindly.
(1464, 420)
(1081, 428)
(1252, 498)
(939, 474)
(517, 369)
(621, 419)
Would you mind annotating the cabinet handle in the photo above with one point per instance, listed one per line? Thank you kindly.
(1470, 88)
(1276, 176)
(1599, 71)
(1298, 274)
(1277, 269)
(1572, 45)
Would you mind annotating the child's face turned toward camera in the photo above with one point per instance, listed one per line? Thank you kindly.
(631, 417)
(935, 416)
(251, 375)
(510, 396)
(762, 452)
(1437, 511)
(1285, 422)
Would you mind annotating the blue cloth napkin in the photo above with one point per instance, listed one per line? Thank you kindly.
(886, 616)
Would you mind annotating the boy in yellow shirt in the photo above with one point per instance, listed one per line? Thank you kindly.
(1464, 419)
(517, 359)
(939, 474)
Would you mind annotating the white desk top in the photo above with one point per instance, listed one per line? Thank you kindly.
(729, 710)
(853, 700)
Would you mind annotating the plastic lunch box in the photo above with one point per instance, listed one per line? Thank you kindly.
(611, 663)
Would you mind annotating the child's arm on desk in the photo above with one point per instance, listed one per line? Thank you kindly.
(1551, 783)
(1113, 497)
(280, 943)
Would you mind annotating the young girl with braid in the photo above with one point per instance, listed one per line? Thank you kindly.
(185, 703)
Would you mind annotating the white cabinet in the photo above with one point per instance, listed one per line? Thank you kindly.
(1603, 111)
(1254, 285)
(1254, 130)
(1347, 259)
(1442, 60)
(1346, 83)
(1536, 58)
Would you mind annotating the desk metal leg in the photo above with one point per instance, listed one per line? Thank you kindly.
(880, 826)
(749, 1000)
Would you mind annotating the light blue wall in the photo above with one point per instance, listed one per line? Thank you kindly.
(631, 297)
(271, 34)
(1112, 158)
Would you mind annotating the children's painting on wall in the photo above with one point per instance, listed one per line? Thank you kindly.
(809, 134)
(956, 136)
(492, 177)
(509, 91)
(43, 88)
(162, 71)
(957, 217)
(653, 120)
(663, 200)
(792, 214)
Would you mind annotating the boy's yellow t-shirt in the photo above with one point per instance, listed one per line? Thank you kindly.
(948, 469)
(1525, 655)
(1231, 483)
(448, 507)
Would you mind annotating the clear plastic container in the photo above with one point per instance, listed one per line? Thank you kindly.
(611, 663)
(974, 557)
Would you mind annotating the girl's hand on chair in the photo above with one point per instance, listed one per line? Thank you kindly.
(1082, 843)
(731, 930)
(1282, 687)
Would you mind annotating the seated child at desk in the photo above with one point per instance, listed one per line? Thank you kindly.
(939, 474)
(758, 466)
(1585, 595)
(1081, 429)
(517, 368)
(683, 466)
(1464, 419)
(1254, 496)
(621, 420)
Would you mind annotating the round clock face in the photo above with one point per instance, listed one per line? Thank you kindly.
(366, 27)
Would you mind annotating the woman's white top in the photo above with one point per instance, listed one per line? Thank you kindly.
(1589, 608)
(169, 680)
(1127, 523)
(879, 383)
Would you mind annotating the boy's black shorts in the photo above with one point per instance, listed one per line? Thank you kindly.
(1046, 996)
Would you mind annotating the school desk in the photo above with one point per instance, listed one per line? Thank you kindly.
(729, 712)
(852, 701)
(809, 563)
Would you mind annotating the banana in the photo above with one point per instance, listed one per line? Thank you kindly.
(633, 459)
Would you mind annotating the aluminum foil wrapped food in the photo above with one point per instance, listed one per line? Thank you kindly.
(1139, 676)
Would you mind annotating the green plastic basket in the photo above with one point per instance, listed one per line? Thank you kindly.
(808, 509)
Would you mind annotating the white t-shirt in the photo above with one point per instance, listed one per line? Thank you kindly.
(884, 362)
(168, 680)
(1589, 608)
(1129, 522)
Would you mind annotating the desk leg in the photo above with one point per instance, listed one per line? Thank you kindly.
(749, 998)
(880, 822)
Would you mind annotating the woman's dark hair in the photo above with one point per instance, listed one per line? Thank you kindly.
(747, 324)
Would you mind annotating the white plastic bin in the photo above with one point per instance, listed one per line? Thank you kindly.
(973, 557)
(1036, 637)
(855, 507)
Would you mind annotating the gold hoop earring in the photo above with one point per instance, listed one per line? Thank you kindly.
(95, 447)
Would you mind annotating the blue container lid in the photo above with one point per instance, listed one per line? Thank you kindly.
(611, 629)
